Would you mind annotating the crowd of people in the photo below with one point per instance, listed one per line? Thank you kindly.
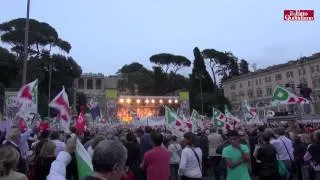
(290, 151)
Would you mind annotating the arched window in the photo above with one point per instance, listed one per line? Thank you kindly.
(89, 84)
(98, 83)
(81, 84)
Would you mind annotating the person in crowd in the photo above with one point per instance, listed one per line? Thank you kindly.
(109, 161)
(284, 149)
(13, 139)
(190, 167)
(9, 160)
(215, 140)
(94, 143)
(254, 136)
(58, 169)
(300, 145)
(237, 157)
(203, 143)
(133, 160)
(313, 155)
(33, 138)
(145, 141)
(43, 162)
(156, 160)
(267, 156)
(175, 149)
(60, 146)
(44, 137)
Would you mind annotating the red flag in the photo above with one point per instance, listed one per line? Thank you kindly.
(25, 93)
(61, 103)
(44, 126)
(80, 123)
(22, 125)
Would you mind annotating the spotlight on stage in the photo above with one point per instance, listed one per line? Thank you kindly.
(176, 101)
(121, 101)
(170, 101)
(138, 101)
(128, 101)
(160, 101)
(147, 101)
(152, 101)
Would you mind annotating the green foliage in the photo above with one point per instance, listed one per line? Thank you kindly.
(81, 100)
(244, 67)
(42, 36)
(216, 59)
(165, 61)
(8, 67)
(200, 73)
(136, 77)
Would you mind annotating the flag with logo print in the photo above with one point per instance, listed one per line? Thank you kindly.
(176, 124)
(283, 96)
(230, 116)
(196, 120)
(250, 113)
(61, 103)
(219, 120)
(27, 98)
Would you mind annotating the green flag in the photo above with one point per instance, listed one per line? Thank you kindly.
(84, 163)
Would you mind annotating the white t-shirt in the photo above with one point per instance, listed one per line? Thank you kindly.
(189, 165)
(175, 150)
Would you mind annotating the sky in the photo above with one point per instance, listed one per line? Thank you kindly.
(106, 34)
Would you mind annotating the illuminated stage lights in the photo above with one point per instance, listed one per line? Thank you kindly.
(147, 101)
(169, 101)
(176, 101)
(128, 101)
(153, 101)
(160, 101)
(121, 101)
(138, 101)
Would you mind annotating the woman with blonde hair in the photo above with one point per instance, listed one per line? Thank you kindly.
(9, 159)
(44, 160)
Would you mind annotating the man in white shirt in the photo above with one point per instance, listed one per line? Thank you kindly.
(215, 140)
(284, 149)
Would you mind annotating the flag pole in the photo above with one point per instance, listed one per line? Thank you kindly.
(26, 41)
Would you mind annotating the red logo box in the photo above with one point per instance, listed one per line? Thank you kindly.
(298, 15)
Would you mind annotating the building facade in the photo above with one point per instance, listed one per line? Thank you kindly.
(257, 87)
(94, 85)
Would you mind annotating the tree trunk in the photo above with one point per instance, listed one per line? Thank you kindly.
(213, 72)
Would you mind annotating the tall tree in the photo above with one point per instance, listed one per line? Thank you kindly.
(215, 58)
(8, 67)
(201, 82)
(234, 67)
(244, 67)
(165, 61)
(200, 73)
(42, 36)
(133, 67)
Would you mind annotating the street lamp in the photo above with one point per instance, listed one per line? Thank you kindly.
(26, 39)
(50, 68)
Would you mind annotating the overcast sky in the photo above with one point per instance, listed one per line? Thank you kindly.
(106, 34)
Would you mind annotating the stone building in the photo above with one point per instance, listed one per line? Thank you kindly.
(257, 87)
